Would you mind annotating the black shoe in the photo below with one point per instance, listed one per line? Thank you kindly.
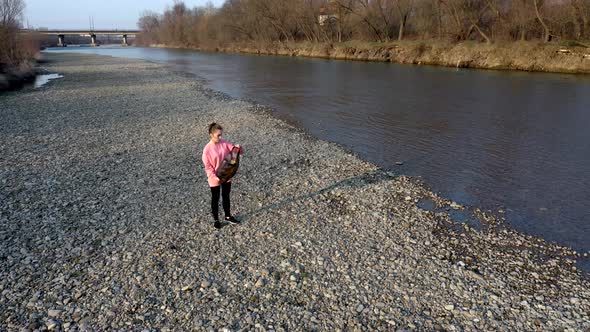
(232, 220)
(217, 224)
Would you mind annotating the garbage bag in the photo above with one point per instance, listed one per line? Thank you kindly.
(229, 165)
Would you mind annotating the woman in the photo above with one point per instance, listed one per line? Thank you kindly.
(213, 155)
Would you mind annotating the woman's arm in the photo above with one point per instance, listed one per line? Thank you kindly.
(231, 147)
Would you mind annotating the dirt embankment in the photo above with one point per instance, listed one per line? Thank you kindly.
(525, 56)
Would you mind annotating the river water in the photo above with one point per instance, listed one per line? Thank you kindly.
(512, 141)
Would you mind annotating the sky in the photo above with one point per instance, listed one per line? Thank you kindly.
(107, 14)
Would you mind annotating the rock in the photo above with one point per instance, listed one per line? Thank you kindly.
(52, 324)
(187, 288)
(455, 206)
(77, 296)
(260, 283)
(360, 308)
(53, 312)
(449, 307)
(205, 284)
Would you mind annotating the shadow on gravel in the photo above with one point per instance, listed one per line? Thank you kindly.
(372, 177)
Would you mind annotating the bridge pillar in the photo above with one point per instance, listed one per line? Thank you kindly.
(61, 40)
(125, 40)
(93, 39)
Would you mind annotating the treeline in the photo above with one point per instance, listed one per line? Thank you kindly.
(15, 48)
(367, 20)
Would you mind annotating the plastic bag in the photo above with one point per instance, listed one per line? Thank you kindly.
(229, 165)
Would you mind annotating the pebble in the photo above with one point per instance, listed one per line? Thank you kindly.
(53, 312)
(52, 324)
(455, 205)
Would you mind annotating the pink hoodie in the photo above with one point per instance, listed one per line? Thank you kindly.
(213, 154)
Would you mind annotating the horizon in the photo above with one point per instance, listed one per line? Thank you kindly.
(111, 15)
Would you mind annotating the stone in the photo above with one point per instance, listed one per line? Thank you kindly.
(52, 324)
(53, 312)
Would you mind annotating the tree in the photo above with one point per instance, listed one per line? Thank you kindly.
(14, 49)
(268, 21)
(404, 9)
(149, 24)
(580, 11)
(11, 12)
(546, 34)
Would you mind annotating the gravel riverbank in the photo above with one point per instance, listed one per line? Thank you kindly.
(104, 224)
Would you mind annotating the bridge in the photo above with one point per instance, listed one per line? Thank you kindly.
(61, 34)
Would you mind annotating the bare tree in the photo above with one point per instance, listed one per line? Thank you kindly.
(267, 21)
(149, 24)
(580, 11)
(404, 9)
(546, 34)
(14, 48)
(11, 12)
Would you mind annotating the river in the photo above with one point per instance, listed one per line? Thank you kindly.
(512, 141)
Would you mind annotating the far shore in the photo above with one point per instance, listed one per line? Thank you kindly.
(573, 58)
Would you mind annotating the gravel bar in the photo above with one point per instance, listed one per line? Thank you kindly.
(105, 224)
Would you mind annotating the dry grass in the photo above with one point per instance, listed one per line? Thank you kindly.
(527, 56)
(16, 49)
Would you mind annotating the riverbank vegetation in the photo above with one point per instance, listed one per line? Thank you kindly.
(407, 31)
(16, 49)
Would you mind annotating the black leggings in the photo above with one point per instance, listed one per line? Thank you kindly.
(225, 189)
